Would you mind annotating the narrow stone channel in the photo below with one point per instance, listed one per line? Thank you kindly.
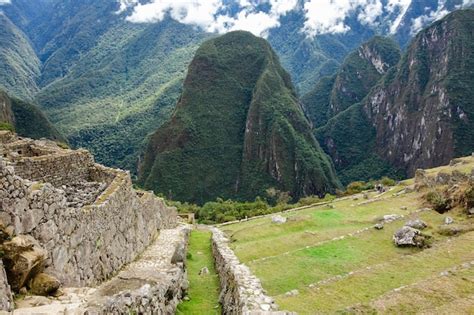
(203, 292)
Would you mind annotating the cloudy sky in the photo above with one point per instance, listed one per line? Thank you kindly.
(259, 16)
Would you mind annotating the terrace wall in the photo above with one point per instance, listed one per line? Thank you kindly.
(241, 291)
(85, 245)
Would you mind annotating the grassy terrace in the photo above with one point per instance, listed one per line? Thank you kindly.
(336, 260)
(204, 289)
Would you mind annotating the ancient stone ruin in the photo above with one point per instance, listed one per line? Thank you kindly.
(67, 222)
(76, 238)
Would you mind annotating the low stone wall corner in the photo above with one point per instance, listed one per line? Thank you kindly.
(241, 291)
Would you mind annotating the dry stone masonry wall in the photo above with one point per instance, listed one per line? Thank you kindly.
(88, 237)
(241, 291)
(6, 299)
(153, 284)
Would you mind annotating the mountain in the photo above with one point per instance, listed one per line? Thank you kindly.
(424, 113)
(19, 65)
(418, 115)
(107, 83)
(26, 119)
(123, 89)
(360, 71)
(237, 130)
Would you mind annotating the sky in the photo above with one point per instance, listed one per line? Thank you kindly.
(259, 16)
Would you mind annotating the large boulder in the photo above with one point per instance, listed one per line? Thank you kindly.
(408, 236)
(24, 258)
(43, 284)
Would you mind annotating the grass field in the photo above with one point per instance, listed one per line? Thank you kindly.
(338, 262)
(204, 289)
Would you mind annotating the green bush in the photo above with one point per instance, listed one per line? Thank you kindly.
(355, 188)
(469, 197)
(387, 181)
(6, 126)
(438, 201)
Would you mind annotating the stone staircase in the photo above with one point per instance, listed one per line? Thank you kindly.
(152, 284)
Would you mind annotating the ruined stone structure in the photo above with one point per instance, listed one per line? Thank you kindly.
(86, 216)
(241, 291)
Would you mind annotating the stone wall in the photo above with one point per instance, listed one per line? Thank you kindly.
(58, 169)
(85, 245)
(152, 285)
(241, 291)
(6, 299)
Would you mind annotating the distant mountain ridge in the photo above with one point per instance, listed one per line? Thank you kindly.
(419, 114)
(107, 83)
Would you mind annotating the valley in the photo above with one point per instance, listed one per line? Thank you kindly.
(273, 157)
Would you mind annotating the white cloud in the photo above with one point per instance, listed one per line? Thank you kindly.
(2, 2)
(441, 11)
(321, 16)
(329, 16)
(400, 6)
(370, 12)
(207, 14)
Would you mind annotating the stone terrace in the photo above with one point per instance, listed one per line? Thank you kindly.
(87, 217)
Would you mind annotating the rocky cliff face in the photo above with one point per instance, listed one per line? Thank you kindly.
(361, 70)
(237, 130)
(418, 115)
(424, 114)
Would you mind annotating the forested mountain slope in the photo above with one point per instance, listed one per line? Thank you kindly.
(238, 130)
(420, 113)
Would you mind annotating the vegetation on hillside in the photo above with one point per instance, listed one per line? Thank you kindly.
(238, 130)
(19, 65)
(26, 119)
(122, 90)
(385, 129)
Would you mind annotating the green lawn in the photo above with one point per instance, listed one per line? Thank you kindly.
(358, 270)
(261, 238)
(203, 290)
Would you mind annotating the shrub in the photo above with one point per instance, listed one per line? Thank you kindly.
(63, 145)
(387, 181)
(469, 197)
(438, 201)
(6, 126)
(355, 188)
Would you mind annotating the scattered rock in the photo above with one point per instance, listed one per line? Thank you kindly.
(278, 219)
(292, 293)
(186, 298)
(204, 271)
(448, 220)
(408, 236)
(378, 226)
(23, 258)
(391, 217)
(404, 208)
(43, 284)
(179, 255)
(416, 224)
(471, 211)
